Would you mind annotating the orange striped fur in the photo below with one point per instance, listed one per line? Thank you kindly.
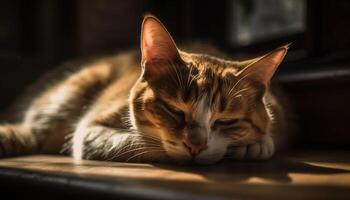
(164, 105)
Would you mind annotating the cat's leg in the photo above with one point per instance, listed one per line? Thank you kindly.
(103, 143)
(262, 150)
(16, 140)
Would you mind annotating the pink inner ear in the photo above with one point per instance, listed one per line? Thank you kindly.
(156, 42)
(152, 48)
(263, 69)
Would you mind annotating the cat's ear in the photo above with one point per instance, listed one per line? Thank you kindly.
(156, 42)
(158, 48)
(263, 68)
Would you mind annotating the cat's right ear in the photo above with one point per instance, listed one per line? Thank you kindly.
(157, 46)
(262, 69)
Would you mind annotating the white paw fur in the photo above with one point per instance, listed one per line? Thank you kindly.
(262, 150)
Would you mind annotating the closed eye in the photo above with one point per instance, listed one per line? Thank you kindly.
(226, 122)
(171, 110)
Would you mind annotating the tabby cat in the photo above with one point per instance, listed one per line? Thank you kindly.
(174, 106)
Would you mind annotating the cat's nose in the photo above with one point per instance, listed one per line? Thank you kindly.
(195, 148)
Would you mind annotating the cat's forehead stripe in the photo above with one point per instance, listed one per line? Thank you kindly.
(204, 62)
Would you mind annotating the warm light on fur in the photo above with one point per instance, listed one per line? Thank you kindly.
(165, 105)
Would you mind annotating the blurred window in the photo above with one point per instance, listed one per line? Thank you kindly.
(261, 20)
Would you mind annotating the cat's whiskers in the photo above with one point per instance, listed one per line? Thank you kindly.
(140, 134)
(141, 144)
(148, 137)
(236, 84)
(179, 77)
(133, 150)
(145, 142)
(191, 78)
(176, 79)
(239, 93)
(120, 151)
(139, 154)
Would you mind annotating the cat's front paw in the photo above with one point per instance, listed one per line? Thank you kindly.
(262, 150)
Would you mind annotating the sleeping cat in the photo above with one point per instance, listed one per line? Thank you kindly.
(174, 106)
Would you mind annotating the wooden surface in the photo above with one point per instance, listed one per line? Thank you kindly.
(304, 175)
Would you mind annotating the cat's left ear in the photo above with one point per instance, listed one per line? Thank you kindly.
(156, 42)
(157, 48)
(263, 68)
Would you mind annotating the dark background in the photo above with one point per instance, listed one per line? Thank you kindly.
(36, 35)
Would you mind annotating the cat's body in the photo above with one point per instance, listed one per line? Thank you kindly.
(118, 109)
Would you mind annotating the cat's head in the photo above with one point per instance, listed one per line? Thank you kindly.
(199, 105)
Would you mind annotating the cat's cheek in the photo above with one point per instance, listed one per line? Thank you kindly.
(177, 154)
